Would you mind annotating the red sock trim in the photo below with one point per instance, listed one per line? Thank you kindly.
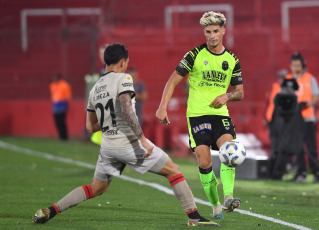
(191, 211)
(88, 191)
(56, 208)
(176, 179)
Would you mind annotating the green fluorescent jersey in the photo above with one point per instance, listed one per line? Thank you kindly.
(209, 76)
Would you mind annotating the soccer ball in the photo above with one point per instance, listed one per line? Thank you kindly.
(232, 153)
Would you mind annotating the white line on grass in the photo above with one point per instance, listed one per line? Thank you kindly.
(153, 185)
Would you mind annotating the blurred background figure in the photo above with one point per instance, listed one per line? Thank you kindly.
(60, 95)
(90, 80)
(276, 87)
(101, 55)
(308, 96)
(140, 93)
(286, 127)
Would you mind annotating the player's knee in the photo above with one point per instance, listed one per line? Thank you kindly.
(204, 164)
(170, 169)
(204, 161)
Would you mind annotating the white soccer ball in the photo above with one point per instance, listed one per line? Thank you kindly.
(232, 153)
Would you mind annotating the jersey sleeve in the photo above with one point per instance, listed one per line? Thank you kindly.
(236, 76)
(125, 85)
(90, 105)
(186, 64)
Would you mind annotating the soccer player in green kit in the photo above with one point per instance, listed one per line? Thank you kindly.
(211, 69)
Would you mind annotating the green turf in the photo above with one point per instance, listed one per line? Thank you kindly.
(28, 183)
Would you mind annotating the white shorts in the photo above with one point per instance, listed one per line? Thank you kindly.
(112, 162)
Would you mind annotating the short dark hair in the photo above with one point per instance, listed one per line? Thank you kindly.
(298, 56)
(114, 53)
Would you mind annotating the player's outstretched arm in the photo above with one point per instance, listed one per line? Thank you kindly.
(131, 118)
(161, 112)
(92, 124)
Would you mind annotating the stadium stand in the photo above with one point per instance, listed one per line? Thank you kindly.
(69, 44)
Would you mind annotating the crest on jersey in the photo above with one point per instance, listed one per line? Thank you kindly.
(225, 65)
(205, 62)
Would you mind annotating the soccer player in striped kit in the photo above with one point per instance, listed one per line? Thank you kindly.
(211, 68)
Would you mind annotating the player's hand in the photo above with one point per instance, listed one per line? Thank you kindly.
(161, 114)
(147, 146)
(219, 101)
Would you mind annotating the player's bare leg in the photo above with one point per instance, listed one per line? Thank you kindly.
(184, 194)
(73, 198)
(227, 176)
(208, 179)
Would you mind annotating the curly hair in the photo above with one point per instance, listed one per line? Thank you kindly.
(212, 18)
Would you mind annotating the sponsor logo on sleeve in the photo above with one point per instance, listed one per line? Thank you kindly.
(180, 65)
(127, 84)
(239, 77)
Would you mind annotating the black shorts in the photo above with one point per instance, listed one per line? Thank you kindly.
(207, 129)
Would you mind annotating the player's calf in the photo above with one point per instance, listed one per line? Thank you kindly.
(75, 197)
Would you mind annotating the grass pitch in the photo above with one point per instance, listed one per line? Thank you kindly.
(28, 183)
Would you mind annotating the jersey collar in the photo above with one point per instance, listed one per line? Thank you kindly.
(214, 53)
(107, 73)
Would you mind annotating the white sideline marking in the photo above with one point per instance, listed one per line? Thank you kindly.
(138, 181)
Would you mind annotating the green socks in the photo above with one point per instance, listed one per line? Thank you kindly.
(227, 176)
(209, 182)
